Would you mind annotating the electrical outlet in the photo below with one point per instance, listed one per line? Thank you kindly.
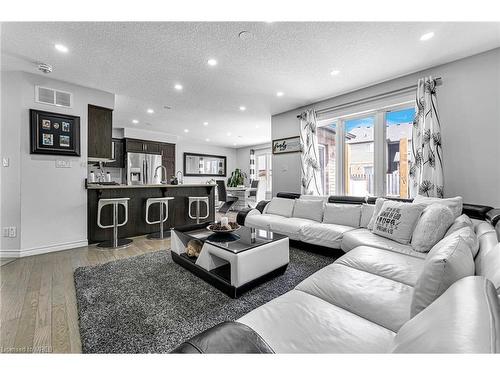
(5, 232)
(5, 162)
(12, 232)
(63, 164)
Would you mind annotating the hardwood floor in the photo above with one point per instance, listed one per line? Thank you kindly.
(37, 296)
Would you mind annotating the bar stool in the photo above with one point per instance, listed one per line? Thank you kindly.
(115, 202)
(163, 201)
(198, 200)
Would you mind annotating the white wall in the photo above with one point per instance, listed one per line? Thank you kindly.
(469, 106)
(48, 205)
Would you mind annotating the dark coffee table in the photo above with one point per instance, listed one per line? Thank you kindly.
(235, 262)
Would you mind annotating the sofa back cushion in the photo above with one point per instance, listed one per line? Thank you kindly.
(378, 206)
(311, 209)
(447, 262)
(455, 204)
(465, 319)
(431, 227)
(460, 222)
(366, 214)
(280, 206)
(487, 260)
(342, 214)
(397, 220)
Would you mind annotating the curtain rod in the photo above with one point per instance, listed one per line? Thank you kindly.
(438, 81)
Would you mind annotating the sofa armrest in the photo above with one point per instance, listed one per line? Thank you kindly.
(493, 216)
(227, 337)
(261, 205)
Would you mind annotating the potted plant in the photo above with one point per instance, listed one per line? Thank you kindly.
(237, 178)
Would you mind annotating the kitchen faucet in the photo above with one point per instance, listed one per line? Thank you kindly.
(164, 173)
(179, 179)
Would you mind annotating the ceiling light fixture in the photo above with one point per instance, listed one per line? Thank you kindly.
(243, 108)
(280, 93)
(135, 121)
(228, 134)
(208, 139)
(335, 72)
(244, 35)
(212, 62)
(186, 130)
(427, 36)
(205, 123)
(150, 111)
(178, 87)
(61, 48)
(257, 126)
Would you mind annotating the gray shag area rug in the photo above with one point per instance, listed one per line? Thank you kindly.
(149, 304)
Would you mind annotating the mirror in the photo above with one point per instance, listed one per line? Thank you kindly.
(204, 165)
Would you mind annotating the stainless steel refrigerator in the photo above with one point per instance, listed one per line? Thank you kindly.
(141, 169)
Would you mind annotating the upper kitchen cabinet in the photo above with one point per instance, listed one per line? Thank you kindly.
(118, 152)
(100, 126)
(137, 145)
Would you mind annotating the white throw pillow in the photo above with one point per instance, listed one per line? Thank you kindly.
(460, 222)
(397, 220)
(378, 206)
(447, 262)
(311, 209)
(431, 227)
(470, 238)
(280, 206)
(342, 214)
(366, 214)
(455, 204)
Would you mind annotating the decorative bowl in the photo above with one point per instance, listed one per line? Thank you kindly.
(217, 228)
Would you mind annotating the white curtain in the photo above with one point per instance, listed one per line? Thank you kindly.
(426, 171)
(311, 179)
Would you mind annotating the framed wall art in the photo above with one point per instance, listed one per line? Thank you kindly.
(286, 145)
(54, 133)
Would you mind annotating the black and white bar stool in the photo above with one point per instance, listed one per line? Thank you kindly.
(115, 202)
(163, 202)
(198, 201)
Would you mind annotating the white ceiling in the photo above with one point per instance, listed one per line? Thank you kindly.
(141, 62)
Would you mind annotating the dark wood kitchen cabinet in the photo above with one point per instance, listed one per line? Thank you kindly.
(118, 154)
(147, 147)
(100, 127)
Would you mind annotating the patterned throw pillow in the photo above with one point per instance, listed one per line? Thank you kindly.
(397, 220)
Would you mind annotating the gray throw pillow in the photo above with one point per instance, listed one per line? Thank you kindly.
(431, 227)
(378, 206)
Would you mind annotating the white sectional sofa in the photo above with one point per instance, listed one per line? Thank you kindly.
(364, 301)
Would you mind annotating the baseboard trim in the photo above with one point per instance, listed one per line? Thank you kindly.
(42, 249)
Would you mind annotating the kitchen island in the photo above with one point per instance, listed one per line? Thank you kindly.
(138, 194)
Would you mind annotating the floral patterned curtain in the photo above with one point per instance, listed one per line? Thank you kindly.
(426, 171)
(311, 179)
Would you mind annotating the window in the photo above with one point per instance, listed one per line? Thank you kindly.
(327, 156)
(359, 156)
(398, 138)
(369, 153)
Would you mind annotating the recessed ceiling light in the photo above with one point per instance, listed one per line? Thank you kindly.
(150, 110)
(228, 134)
(61, 48)
(243, 108)
(280, 93)
(427, 36)
(135, 121)
(186, 130)
(257, 126)
(335, 72)
(178, 87)
(212, 62)
(234, 144)
(205, 123)
(245, 35)
(207, 139)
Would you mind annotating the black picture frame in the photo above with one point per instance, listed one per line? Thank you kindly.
(186, 154)
(54, 133)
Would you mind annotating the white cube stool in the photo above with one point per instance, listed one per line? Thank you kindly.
(198, 200)
(115, 202)
(163, 202)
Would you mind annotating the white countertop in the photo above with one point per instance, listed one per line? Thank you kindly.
(99, 187)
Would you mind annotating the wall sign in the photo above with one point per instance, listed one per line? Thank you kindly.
(54, 133)
(286, 145)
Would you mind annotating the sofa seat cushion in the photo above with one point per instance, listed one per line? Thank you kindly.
(398, 267)
(297, 322)
(262, 221)
(290, 226)
(382, 301)
(322, 234)
(360, 237)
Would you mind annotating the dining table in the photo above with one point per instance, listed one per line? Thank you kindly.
(242, 193)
